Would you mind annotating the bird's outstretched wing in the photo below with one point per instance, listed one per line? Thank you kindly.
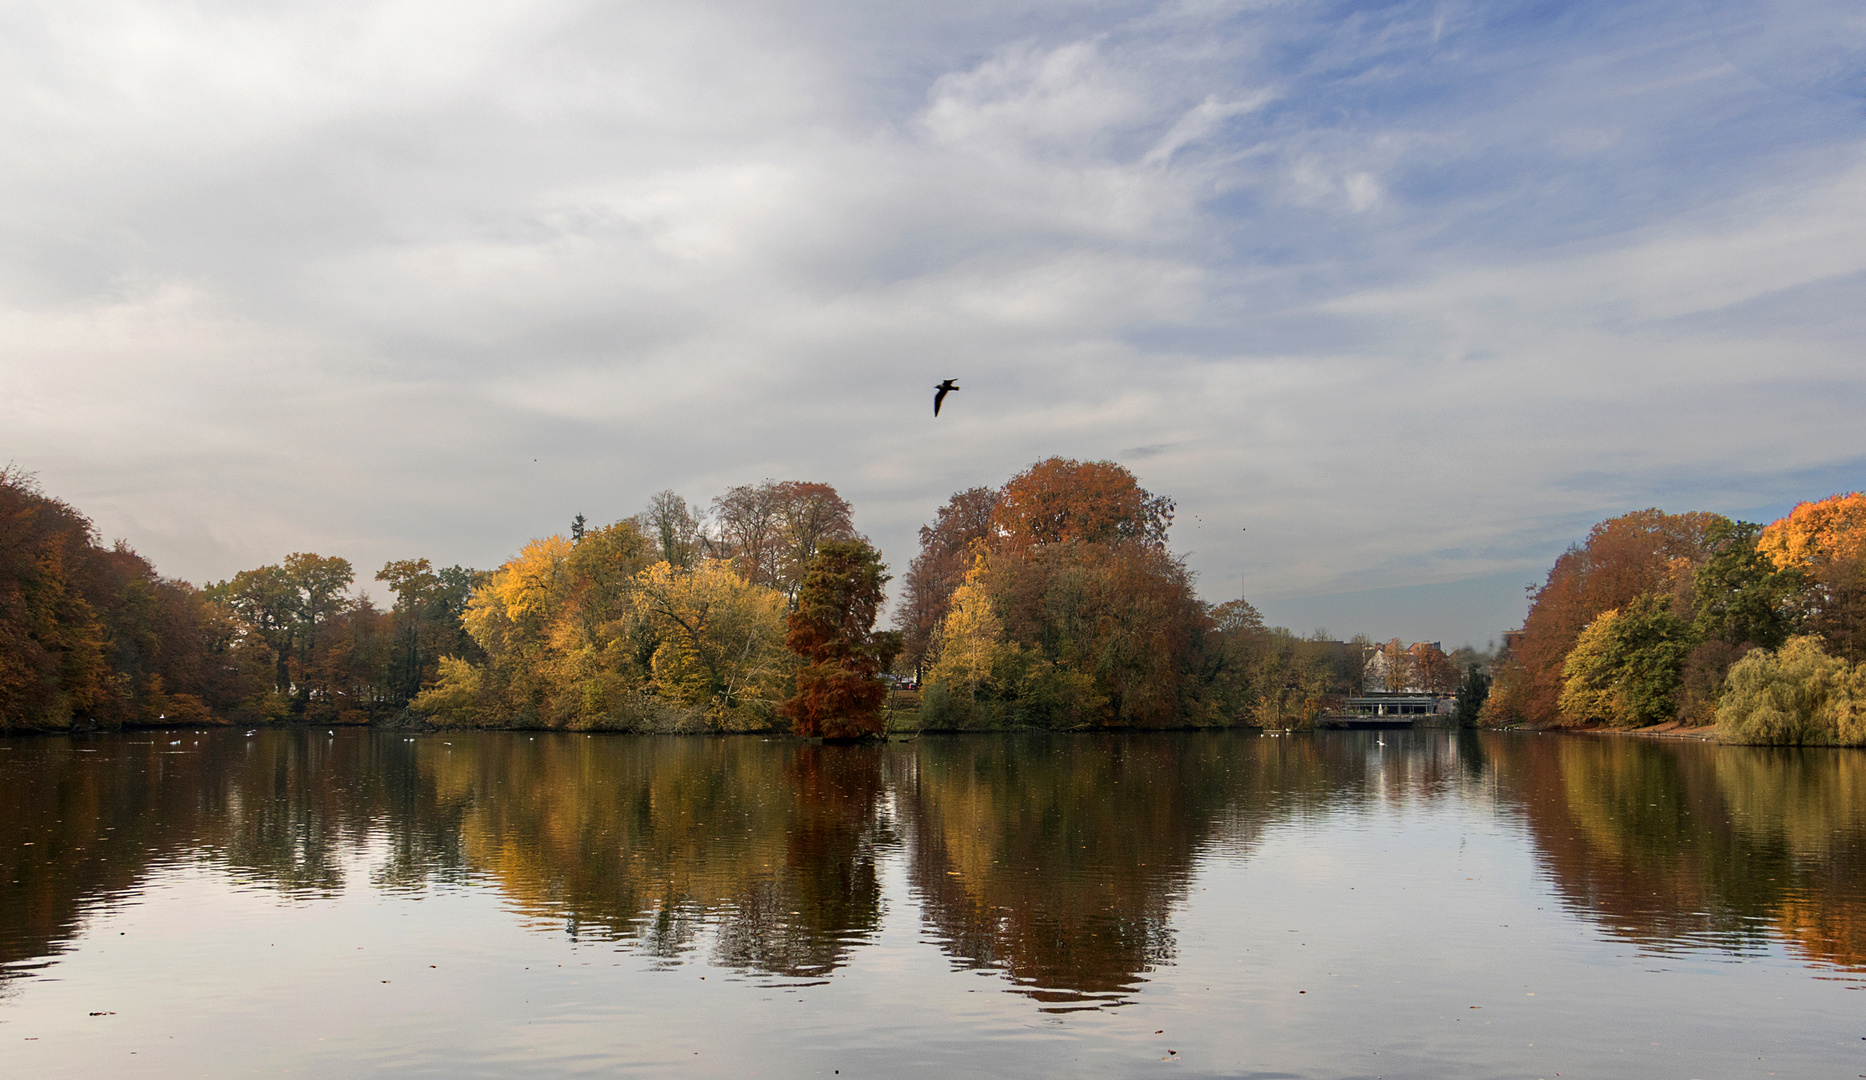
(939, 393)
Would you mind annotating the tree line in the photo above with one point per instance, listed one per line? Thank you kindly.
(1052, 601)
(671, 620)
(1700, 619)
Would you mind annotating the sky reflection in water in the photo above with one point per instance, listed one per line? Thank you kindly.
(371, 903)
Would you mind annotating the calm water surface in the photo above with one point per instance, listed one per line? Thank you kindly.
(1429, 904)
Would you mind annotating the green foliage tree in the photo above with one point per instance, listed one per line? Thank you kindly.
(839, 689)
(1739, 595)
(1626, 666)
(324, 643)
(1471, 694)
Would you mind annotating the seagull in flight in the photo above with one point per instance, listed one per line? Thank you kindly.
(945, 387)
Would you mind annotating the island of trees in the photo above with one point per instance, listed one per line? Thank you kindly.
(1052, 601)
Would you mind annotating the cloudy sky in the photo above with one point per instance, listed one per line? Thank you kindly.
(1395, 299)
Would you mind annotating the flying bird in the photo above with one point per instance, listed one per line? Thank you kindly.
(945, 387)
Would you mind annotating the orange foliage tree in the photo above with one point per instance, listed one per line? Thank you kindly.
(1058, 500)
(1825, 541)
(839, 688)
(1832, 529)
(1074, 613)
(1098, 635)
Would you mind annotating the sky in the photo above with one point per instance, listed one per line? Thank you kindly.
(1395, 300)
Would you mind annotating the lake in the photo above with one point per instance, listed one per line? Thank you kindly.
(357, 903)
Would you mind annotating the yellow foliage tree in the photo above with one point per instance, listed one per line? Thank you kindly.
(555, 623)
(715, 640)
(1588, 687)
(968, 642)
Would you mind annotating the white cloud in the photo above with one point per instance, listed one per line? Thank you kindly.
(1412, 296)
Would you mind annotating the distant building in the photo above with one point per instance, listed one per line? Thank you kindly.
(1417, 660)
(1371, 705)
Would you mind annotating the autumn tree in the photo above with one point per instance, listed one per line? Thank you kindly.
(601, 634)
(289, 605)
(426, 622)
(1267, 676)
(839, 689)
(1626, 665)
(93, 636)
(771, 530)
(52, 660)
(713, 641)
(749, 523)
(1091, 635)
(1796, 695)
(1825, 543)
(1059, 500)
(1432, 671)
(1647, 551)
(1068, 612)
(946, 551)
(555, 623)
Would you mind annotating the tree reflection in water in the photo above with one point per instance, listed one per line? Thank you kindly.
(653, 840)
(1055, 858)
(1058, 860)
(1688, 845)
